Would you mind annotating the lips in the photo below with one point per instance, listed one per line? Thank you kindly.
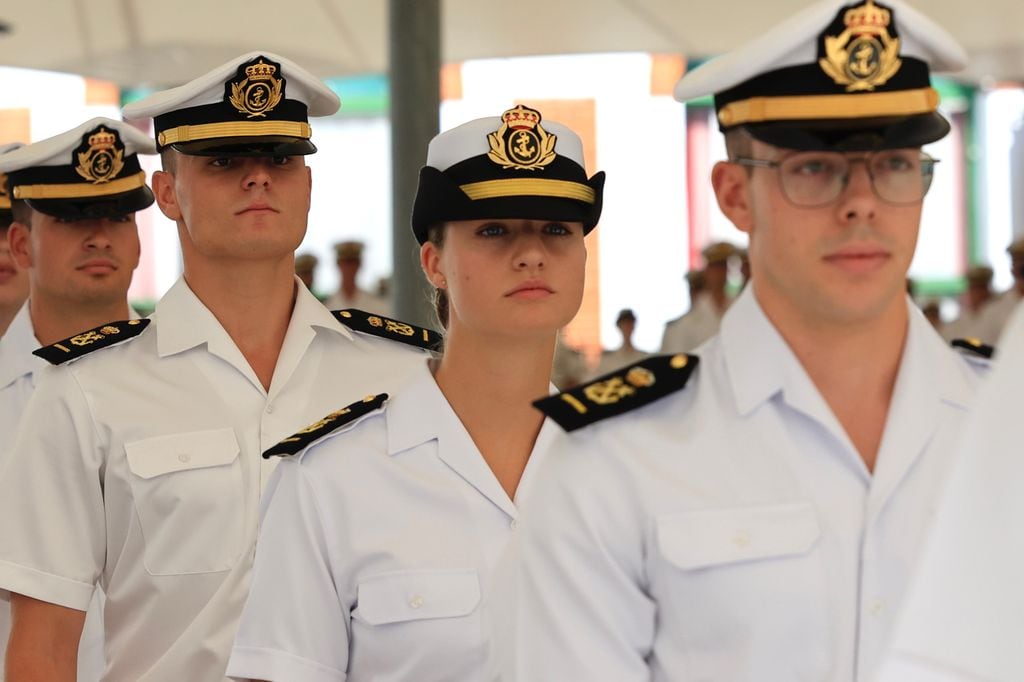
(531, 289)
(858, 259)
(257, 208)
(98, 266)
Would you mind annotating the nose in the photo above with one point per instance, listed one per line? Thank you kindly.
(530, 252)
(257, 173)
(858, 202)
(97, 234)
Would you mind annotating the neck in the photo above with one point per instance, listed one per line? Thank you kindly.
(853, 365)
(491, 384)
(719, 299)
(253, 301)
(56, 319)
(348, 289)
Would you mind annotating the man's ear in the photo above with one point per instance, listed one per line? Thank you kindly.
(166, 196)
(18, 236)
(731, 183)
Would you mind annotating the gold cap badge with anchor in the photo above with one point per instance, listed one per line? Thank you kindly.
(103, 157)
(259, 91)
(864, 56)
(521, 142)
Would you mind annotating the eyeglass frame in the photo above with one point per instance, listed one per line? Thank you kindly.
(775, 164)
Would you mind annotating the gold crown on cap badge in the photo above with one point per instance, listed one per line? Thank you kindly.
(865, 55)
(103, 159)
(521, 142)
(259, 92)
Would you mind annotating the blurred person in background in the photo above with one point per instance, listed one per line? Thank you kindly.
(349, 258)
(702, 321)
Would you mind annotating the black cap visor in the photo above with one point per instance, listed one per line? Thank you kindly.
(264, 145)
(113, 206)
(852, 134)
(440, 200)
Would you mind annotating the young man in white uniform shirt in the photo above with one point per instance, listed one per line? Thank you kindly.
(964, 618)
(78, 250)
(143, 446)
(13, 282)
(761, 523)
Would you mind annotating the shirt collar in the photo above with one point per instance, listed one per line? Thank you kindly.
(184, 322)
(748, 339)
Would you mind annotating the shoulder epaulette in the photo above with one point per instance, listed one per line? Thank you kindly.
(378, 325)
(302, 439)
(638, 384)
(974, 347)
(76, 346)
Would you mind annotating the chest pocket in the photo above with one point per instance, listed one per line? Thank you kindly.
(712, 537)
(188, 493)
(417, 595)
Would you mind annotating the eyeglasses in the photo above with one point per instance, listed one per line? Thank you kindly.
(813, 179)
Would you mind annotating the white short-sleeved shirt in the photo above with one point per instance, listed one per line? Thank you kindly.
(964, 618)
(18, 369)
(730, 532)
(141, 463)
(378, 550)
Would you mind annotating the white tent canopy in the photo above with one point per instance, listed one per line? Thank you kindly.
(146, 43)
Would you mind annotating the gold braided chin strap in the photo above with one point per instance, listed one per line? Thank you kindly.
(80, 190)
(815, 107)
(208, 131)
(513, 187)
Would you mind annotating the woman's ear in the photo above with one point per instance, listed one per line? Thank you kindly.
(731, 183)
(430, 261)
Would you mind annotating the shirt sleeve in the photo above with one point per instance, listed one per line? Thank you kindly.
(52, 520)
(582, 612)
(294, 626)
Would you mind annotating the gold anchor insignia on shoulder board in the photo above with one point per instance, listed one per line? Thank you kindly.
(259, 91)
(865, 55)
(521, 143)
(103, 159)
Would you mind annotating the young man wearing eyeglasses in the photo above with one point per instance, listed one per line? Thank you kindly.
(757, 518)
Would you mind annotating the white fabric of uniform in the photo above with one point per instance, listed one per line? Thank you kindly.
(377, 552)
(964, 618)
(686, 333)
(143, 461)
(18, 370)
(730, 532)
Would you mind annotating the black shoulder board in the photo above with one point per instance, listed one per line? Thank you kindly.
(300, 440)
(620, 391)
(109, 334)
(378, 325)
(974, 347)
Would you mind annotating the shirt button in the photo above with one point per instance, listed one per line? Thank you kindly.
(416, 602)
(513, 524)
(184, 457)
(270, 409)
(877, 607)
(741, 539)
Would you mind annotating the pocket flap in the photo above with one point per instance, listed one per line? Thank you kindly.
(152, 457)
(708, 537)
(416, 595)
